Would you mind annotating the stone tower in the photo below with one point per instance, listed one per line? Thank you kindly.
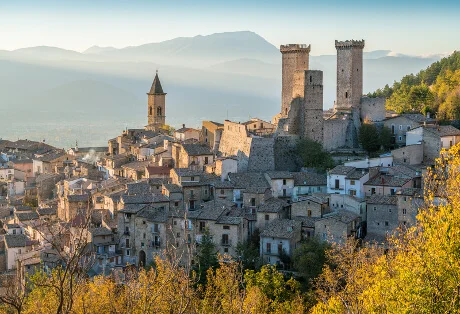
(156, 104)
(349, 74)
(306, 114)
(295, 58)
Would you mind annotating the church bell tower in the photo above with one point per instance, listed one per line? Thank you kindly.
(156, 104)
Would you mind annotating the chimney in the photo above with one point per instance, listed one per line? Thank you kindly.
(183, 126)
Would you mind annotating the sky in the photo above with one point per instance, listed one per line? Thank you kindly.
(405, 26)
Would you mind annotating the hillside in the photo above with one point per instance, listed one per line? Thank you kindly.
(435, 89)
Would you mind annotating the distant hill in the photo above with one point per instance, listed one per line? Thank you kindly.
(435, 89)
(235, 75)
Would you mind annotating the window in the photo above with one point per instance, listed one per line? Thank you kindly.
(159, 111)
(202, 225)
(206, 160)
(176, 204)
(310, 79)
(267, 217)
(127, 252)
(375, 207)
(222, 191)
(192, 178)
(352, 192)
(226, 227)
(144, 235)
(408, 128)
(280, 248)
(337, 184)
(284, 192)
(346, 94)
(400, 138)
(389, 210)
(175, 222)
(373, 191)
(269, 247)
(192, 205)
(392, 129)
(404, 211)
(392, 191)
(178, 235)
(155, 228)
(386, 223)
(400, 127)
(142, 244)
(284, 181)
(206, 131)
(352, 182)
(309, 213)
(151, 111)
(191, 193)
(225, 240)
(127, 242)
(143, 222)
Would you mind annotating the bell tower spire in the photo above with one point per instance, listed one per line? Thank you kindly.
(156, 104)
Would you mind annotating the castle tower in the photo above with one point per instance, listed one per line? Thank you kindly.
(349, 74)
(156, 104)
(308, 100)
(295, 58)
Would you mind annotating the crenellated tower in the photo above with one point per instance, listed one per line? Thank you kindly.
(156, 104)
(349, 74)
(295, 57)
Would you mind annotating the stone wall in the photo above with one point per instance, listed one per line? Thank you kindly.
(411, 154)
(349, 73)
(286, 157)
(372, 109)
(295, 57)
(381, 219)
(334, 134)
(253, 153)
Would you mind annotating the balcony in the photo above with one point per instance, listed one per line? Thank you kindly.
(340, 187)
(226, 242)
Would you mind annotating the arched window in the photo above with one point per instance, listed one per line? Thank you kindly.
(159, 111)
(346, 94)
(150, 111)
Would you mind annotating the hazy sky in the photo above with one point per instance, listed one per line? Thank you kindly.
(410, 27)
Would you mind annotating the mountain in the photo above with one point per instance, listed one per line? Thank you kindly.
(98, 50)
(227, 75)
(200, 50)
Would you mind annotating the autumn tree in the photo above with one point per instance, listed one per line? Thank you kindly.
(419, 272)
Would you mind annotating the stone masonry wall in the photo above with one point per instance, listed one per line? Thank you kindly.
(334, 134)
(372, 109)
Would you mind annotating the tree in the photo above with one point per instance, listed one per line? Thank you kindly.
(310, 257)
(369, 138)
(206, 256)
(248, 252)
(420, 270)
(313, 155)
(385, 138)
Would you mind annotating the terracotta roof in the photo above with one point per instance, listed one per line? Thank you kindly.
(162, 170)
(156, 88)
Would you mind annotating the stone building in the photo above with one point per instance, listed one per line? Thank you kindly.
(382, 216)
(193, 156)
(156, 105)
(337, 226)
(279, 238)
(211, 132)
(399, 125)
(302, 98)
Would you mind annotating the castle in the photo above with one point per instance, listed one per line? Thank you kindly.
(302, 115)
(302, 98)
